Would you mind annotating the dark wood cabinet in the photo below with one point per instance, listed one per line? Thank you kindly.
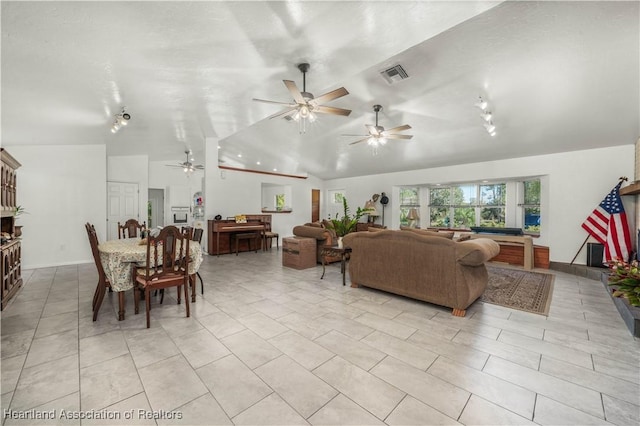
(10, 249)
(11, 270)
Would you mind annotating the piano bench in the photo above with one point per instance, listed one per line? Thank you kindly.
(247, 236)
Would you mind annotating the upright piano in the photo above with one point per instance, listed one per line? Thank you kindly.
(220, 232)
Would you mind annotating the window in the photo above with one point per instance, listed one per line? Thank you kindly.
(463, 206)
(337, 197)
(410, 206)
(492, 205)
(531, 206)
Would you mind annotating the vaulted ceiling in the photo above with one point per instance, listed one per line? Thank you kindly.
(558, 76)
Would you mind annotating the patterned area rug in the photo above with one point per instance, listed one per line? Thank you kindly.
(518, 289)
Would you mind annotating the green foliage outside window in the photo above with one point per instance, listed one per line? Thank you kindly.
(531, 205)
(279, 201)
(459, 206)
(409, 197)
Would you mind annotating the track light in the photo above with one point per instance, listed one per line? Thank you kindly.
(482, 104)
(490, 127)
(121, 119)
(487, 116)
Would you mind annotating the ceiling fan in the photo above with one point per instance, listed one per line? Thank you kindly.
(378, 135)
(304, 105)
(187, 166)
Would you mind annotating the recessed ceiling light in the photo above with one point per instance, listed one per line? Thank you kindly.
(275, 170)
(485, 181)
(258, 163)
(239, 155)
(218, 146)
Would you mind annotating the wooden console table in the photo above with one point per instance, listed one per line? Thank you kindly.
(334, 251)
(529, 257)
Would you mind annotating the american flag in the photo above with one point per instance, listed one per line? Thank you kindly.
(608, 224)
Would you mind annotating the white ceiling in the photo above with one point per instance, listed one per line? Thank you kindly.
(559, 76)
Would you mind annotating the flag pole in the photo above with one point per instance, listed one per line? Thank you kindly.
(580, 249)
(621, 179)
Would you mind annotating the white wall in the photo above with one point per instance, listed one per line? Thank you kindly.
(62, 187)
(573, 184)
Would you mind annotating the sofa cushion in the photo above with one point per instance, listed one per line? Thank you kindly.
(376, 229)
(310, 232)
(444, 234)
(476, 252)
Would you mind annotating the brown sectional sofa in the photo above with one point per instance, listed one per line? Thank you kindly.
(421, 266)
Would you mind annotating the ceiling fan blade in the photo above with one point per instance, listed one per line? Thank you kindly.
(397, 129)
(372, 129)
(274, 102)
(358, 141)
(332, 110)
(174, 165)
(293, 89)
(283, 113)
(357, 136)
(329, 96)
(199, 166)
(398, 136)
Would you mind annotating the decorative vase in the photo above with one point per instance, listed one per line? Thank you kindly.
(340, 242)
(17, 230)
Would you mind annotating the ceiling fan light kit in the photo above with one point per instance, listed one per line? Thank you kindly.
(187, 166)
(378, 136)
(305, 106)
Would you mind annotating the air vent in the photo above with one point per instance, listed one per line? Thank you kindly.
(394, 74)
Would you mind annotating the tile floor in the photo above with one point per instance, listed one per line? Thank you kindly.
(273, 345)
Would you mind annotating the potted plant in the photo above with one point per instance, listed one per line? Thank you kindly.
(347, 223)
(17, 229)
(625, 277)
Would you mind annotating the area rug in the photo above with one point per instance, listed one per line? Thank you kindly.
(517, 289)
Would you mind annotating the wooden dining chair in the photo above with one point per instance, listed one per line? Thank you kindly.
(167, 265)
(269, 235)
(130, 228)
(103, 282)
(197, 237)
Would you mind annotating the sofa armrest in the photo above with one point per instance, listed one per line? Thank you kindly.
(310, 232)
(477, 251)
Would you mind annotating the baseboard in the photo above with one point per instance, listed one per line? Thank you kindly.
(591, 272)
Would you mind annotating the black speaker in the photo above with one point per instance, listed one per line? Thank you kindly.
(595, 252)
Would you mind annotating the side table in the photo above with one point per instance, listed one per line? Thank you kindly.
(335, 251)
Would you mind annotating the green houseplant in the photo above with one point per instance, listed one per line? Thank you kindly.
(626, 279)
(347, 223)
(17, 229)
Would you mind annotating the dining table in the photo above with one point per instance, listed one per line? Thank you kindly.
(119, 257)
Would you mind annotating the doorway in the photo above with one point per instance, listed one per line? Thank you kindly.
(315, 205)
(155, 208)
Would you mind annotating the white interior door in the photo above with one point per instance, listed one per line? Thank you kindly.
(122, 204)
